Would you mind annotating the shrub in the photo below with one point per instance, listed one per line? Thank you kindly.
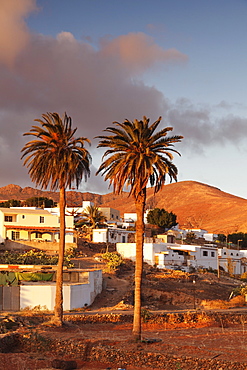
(114, 260)
(31, 258)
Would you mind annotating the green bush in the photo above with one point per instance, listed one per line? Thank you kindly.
(114, 260)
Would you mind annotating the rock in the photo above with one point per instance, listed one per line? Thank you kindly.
(63, 364)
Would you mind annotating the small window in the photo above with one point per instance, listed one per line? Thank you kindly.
(23, 216)
(212, 254)
(231, 254)
(224, 253)
(8, 218)
(41, 219)
(205, 253)
(38, 235)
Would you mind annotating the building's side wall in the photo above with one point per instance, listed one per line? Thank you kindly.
(128, 250)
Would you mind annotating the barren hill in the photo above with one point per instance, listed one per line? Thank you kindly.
(196, 205)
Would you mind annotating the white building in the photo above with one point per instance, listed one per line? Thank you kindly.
(230, 260)
(111, 235)
(170, 255)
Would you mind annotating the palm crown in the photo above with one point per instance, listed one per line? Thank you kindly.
(55, 157)
(138, 155)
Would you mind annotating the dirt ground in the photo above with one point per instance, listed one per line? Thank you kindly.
(163, 291)
(201, 342)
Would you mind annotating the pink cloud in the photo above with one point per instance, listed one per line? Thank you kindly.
(138, 51)
(14, 35)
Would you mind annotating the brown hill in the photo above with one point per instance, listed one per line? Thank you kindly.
(196, 205)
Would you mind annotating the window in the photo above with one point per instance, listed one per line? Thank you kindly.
(41, 219)
(205, 253)
(23, 216)
(38, 235)
(15, 235)
(123, 239)
(8, 218)
(212, 254)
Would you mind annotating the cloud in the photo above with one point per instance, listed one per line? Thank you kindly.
(138, 52)
(14, 35)
(40, 74)
(202, 128)
(63, 74)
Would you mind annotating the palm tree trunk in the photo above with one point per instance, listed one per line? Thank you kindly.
(58, 309)
(140, 208)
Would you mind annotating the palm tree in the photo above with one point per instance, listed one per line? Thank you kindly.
(56, 159)
(91, 217)
(138, 157)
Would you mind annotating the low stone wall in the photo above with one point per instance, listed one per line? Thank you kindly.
(22, 245)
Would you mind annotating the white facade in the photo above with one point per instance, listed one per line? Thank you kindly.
(74, 295)
(32, 224)
(132, 216)
(210, 237)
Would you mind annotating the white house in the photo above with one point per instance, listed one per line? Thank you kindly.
(170, 255)
(24, 223)
(111, 235)
(132, 216)
(75, 295)
(230, 260)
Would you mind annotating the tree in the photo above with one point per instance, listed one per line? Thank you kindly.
(39, 202)
(161, 218)
(10, 203)
(91, 217)
(137, 157)
(56, 159)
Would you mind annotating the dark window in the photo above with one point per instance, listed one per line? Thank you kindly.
(38, 235)
(212, 254)
(8, 218)
(15, 235)
(205, 253)
(123, 239)
(41, 219)
(23, 216)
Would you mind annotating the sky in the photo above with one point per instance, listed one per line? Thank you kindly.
(105, 61)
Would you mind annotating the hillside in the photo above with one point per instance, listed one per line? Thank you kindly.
(196, 205)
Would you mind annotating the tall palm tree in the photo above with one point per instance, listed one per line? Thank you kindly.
(57, 160)
(138, 157)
